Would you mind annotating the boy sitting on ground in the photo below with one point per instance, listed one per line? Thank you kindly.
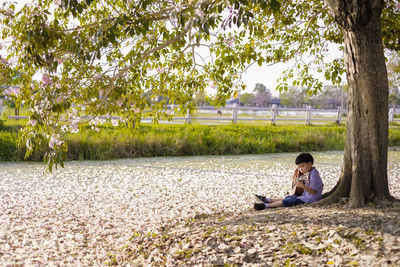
(311, 186)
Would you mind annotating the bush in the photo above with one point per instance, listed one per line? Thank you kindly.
(8, 146)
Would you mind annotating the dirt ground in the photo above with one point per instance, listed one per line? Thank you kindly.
(302, 236)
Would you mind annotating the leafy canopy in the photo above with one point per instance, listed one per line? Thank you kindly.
(81, 58)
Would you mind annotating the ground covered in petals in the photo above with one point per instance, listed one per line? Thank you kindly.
(188, 210)
(306, 236)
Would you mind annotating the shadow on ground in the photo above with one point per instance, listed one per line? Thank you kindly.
(305, 236)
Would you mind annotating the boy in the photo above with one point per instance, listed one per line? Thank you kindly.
(312, 187)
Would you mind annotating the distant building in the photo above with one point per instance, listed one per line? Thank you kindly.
(332, 103)
(275, 101)
(232, 102)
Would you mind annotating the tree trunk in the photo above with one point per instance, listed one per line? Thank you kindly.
(364, 173)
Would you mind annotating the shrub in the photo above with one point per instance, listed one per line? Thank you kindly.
(8, 146)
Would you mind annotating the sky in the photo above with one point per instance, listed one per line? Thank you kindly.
(267, 75)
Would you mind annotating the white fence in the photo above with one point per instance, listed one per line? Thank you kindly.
(272, 115)
(275, 114)
(214, 115)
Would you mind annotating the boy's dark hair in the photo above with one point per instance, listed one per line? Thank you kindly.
(304, 158)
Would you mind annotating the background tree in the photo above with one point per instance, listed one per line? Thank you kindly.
(262, 95)
(394, 97)
(247, 99)
(200, 99)
(393, 64)
(101, 57)
(329, 97)
(293, 97)
(9, 85)
(260, 88)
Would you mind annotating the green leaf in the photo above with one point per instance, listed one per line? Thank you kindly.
(79, 7)
(50, 164)
(206, 28)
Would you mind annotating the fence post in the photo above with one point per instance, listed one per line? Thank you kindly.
(339, 116)
(187, 118)
(234, 113)
(391, 113)
(274, 113)
(308, 119)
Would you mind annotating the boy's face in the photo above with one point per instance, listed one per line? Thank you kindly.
(304, 167)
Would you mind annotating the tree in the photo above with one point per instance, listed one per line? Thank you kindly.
(119, 50)
(9, 85)
(293, 97)
(200, 99)
(260, 88)
(394, 77)
(394, 96)
(262, 95)
(364, 172)
(247, 99)
(329, 97)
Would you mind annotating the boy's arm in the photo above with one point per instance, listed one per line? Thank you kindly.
(314, 182)
(308, 189)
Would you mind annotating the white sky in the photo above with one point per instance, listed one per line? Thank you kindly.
(267, 75)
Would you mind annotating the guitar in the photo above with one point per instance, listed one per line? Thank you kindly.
(299, 177)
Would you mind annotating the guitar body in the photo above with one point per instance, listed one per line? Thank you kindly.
(299, 177)
(298, 191)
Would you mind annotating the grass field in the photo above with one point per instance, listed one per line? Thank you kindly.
(147, 140)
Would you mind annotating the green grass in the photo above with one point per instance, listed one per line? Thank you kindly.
(184, 140)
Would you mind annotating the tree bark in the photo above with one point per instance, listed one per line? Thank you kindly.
(364, 173)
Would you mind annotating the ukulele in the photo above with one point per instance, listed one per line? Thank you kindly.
(299, 177)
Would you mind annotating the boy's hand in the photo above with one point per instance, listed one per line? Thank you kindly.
(300, 184)
(308, 189)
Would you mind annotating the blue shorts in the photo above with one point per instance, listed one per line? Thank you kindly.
(291, 201)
